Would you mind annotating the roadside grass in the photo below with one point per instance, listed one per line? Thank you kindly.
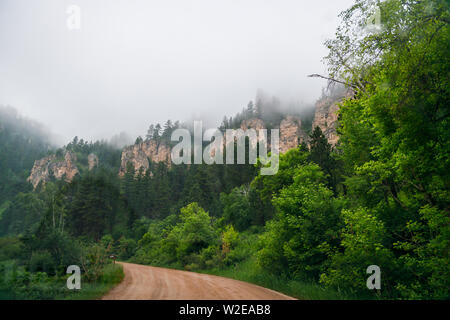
(249, 271)
(112, 276)
(23, 285)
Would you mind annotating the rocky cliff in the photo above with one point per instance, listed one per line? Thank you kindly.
(253, 123)
(291, 133)
(326, 119)
(139, 154)
(326, 116)
(256, 124)
(50, 167)
(92, 161)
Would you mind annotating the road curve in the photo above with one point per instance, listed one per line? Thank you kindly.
(152, 283)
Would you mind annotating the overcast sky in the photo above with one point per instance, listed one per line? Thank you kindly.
(136, 62)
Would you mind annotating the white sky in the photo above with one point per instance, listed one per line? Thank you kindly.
(136, 62)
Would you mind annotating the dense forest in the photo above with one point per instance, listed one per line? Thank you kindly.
(379, 197)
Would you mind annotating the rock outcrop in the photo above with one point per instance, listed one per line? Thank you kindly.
(256, 124)
(253, 123)
(92, 161)
(140, 154)
(291, 133)
(50, 167)
(326, 116)
(326, 119)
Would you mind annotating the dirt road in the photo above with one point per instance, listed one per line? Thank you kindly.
(151, 283)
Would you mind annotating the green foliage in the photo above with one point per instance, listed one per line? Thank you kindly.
(192, 234)
(426, 256)
(95, 206)
(236, 208)
(192, 241)
(93, 259)
(264, 188)
(320, 153)
(24, 212)
(230, 241)
(10, 248)
(179, 241)
(305, 227)
(17, 283)
(63, 249)
(395, 139)
(126, 248)
(363, 238)
(42, 261)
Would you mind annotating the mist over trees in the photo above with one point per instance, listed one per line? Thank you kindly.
(271, 110)
(21, 142)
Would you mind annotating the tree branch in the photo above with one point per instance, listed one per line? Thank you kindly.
(315, 75)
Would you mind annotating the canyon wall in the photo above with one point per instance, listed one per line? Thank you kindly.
(50, 167)
(291, 133)
(139, 154)
(326, 115)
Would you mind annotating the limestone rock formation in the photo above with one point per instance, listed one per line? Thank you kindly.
(326, 116)
(291, 133)
(40, 171)
(253, 123)
(47, 168)
(139, 154)
(326, 119)
(256, 124)
(92, 161)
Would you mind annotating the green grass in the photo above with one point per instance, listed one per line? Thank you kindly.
(38, 286)
(112, 276)
(248, 271)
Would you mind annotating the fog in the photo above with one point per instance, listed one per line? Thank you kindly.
(136, 62)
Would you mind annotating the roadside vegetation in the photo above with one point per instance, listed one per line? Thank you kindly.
(39, 281)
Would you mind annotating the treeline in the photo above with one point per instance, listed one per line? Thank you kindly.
(271, 110)
(107, 154)
(162, 191)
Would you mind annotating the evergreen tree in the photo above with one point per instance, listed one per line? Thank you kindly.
(139, 140)
(157, 132)
(250, 110)
(150, 132)
(320, 153)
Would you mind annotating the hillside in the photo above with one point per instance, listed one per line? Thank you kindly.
(22, 141)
